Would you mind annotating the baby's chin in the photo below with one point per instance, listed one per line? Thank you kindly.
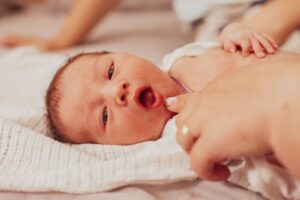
(169, 116)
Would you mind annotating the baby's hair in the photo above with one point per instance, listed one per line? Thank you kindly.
(53, 97)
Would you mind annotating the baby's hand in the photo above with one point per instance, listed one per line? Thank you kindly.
(237, 36)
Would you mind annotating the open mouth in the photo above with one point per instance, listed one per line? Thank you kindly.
(147, 97)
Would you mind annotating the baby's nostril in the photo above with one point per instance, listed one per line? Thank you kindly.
(124, 86)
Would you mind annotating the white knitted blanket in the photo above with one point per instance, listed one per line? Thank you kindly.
(32, 161)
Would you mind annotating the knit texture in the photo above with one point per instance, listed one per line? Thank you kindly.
(30, 161)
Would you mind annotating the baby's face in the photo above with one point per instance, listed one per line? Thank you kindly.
(115, 98)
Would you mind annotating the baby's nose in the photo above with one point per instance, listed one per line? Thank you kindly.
(121, 93)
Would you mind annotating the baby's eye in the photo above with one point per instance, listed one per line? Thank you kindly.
(104, 116)
(110, 71)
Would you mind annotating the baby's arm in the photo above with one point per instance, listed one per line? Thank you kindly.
(82, 18)
(276, 19)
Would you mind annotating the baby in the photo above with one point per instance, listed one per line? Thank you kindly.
(109, 98)
(118, 98)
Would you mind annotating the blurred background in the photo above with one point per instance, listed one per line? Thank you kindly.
(146, 28)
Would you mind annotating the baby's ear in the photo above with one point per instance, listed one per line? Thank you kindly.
(177, 103)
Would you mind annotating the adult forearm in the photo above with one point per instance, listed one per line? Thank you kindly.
(277, 18)
(83, 16)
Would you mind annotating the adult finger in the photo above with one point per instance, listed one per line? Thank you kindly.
(175, 104)
(206, 163)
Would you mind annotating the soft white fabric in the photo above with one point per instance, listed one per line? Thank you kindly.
(31, 161)
(255, 174)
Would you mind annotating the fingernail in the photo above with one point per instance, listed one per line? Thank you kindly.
(170, 101)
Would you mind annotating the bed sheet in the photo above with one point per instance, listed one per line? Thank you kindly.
(185, 190)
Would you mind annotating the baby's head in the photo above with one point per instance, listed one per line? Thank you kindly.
(109, 98)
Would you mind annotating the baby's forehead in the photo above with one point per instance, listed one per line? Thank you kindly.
(82, 65)
(78, 68)
(80, 75)
(85, 59)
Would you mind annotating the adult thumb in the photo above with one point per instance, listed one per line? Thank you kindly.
(177, 103)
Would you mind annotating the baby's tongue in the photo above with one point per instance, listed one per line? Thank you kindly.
(147, 98)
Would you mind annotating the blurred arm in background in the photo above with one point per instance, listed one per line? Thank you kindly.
(83, 16)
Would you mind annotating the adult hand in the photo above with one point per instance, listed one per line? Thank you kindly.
(40, 43)
(231, 117)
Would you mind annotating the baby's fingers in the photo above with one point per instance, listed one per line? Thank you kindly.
(229, 46)
(257, 48)
(265, 43)
(270, 39)
(245, 46)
